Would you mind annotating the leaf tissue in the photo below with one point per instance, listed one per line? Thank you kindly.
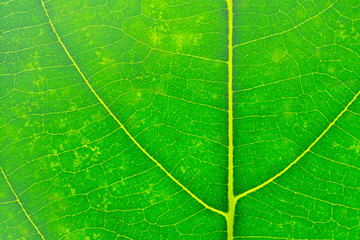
(179, 119)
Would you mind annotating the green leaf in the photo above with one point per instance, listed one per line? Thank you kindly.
(179, 119)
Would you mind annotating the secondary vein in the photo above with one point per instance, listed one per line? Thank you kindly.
(22, 207)
(303, 154)
(118, 121)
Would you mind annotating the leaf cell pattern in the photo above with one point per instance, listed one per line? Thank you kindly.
(179, 119)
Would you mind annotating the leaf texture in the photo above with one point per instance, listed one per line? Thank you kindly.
(179, 119)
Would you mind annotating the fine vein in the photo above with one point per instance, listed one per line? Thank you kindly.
(22, 207)
(303, 154)
(118, 121)
(288, 30)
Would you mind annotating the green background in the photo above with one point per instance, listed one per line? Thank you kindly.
(70, 171)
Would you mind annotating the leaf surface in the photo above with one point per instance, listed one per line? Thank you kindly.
(179, 119)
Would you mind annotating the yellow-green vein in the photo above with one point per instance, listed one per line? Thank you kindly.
(118, 121)
(22, 207)
(231, 198)
(303, 154)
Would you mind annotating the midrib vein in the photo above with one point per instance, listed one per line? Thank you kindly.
(231, 198)
(18, 201)
(120, 124)
(303, 154)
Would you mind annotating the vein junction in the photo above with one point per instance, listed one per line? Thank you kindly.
(118, 121)
(232, 199)
(303, 154)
